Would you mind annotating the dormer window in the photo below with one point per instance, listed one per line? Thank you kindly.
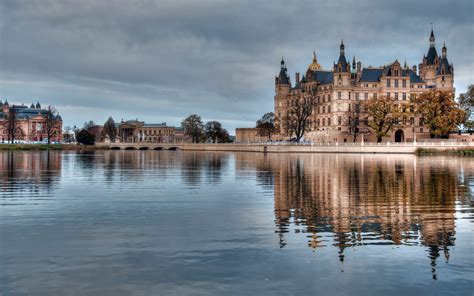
(396, 72)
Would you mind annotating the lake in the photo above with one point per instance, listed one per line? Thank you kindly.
(203, 223)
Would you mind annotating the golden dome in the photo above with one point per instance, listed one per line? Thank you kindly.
(314, 65)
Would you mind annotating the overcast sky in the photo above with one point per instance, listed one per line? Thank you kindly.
(160, 61)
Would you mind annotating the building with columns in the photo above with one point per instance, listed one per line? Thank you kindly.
(339, 91)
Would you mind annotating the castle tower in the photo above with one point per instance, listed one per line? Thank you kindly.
(444, 72)
(342, 69)
(282, 91)
(430, 63)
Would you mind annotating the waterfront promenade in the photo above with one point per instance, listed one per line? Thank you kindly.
(276, 147)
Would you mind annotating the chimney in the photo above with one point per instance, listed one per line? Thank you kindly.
(297, 77)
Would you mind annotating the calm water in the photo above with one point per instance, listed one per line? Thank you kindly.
(184, 223)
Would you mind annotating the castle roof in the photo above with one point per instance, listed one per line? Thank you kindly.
(414, 78)
(371, 74)
(444, 64)
(324, 77)
(23, 112)
(431, 56)
(374, 74)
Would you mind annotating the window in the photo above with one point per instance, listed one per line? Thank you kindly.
(388, 82)
(357, 108)
(404, 96)
(421, 122)
(388, 95)
(349, 95)
(339, 120)
(396, 96)
(366, 96)
(339, 95)
(396, 82)
(404, 83)
(396, 72)
(329, 109)
(357, 96)
(375, 96)
(329, 97)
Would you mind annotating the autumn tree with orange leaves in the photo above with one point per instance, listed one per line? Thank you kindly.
(440, 112)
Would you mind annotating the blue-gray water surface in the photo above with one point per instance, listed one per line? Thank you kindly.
(203, 223)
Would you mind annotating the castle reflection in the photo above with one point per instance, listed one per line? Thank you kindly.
(28, 172)
(352, 201)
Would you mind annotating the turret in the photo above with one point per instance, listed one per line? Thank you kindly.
(282, 78)
(38, 106)
(444, 51)
(432, 39)
(342, 64)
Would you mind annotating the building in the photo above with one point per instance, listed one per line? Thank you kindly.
(337, 93)
(31, 123)
(134, 131)
(248, 135)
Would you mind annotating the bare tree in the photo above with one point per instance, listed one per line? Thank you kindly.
(193, 127)
(355, 127)
(50, 124)
(297, 121)
(11, 125)
(67, 136)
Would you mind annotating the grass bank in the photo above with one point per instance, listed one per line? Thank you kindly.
(43, 147)
(458, 152)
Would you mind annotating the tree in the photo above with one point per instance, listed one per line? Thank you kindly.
(297, 121)
(355, 128)
(385, 114)
(89, 125)
(440, 112)
(85, 137)
(266, 125)
(11, 125)
(110, 129)
(50, 123)
(193, 127)
(67, 136)
(214, 131)
(225, 137)
(466, 103)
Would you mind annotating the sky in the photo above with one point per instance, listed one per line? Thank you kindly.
(159, 61)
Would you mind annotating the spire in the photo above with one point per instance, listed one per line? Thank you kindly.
(405, 63)
(444, 51)
(341, 48)
(282, 63)
(353, 62)
(314, 64)
(432, 38)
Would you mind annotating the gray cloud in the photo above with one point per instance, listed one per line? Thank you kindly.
(162, 60)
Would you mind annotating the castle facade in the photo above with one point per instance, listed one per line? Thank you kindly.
(338, 92)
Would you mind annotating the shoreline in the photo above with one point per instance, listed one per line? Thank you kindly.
(385, 148)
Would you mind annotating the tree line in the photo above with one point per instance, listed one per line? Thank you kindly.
(380, 116)
(193, 126)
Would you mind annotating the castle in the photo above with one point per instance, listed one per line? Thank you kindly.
(338, 91)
